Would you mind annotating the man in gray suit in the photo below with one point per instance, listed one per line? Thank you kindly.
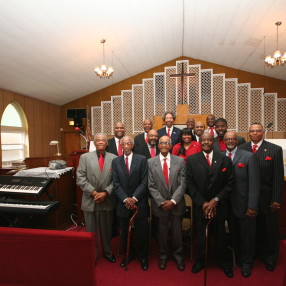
(94, 177)
(244, 201)
(167, 184)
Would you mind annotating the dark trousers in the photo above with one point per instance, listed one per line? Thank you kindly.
(267, 237)
(173, 225)
(141, 235)
(243, 232)
(216, 230)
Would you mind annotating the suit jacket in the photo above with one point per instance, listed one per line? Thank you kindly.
(175, 136)
(129, 185)
(159, 190)
(272, 173)
(111, 147)
(205, 183)
(141, 147)
(240, 141)
(247, 183)
(90, 178)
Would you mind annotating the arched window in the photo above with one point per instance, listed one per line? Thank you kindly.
(14, 135)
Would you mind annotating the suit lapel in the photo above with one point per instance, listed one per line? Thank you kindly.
(106, 167)
(134, 163)
(158, 168)
(94, 164)
(236, 156)
(122, 162)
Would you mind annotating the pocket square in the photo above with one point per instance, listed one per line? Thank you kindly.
(267, 158)
(223, 170)
(240, 165)
(110, 169)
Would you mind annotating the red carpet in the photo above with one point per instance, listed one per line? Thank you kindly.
(112, 274)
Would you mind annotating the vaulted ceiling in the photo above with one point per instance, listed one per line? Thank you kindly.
(49, 48)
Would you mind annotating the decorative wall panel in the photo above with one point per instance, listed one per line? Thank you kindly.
(106, 117)
(116, 109)
(281, 114)
(218, 95)
(148, 95)
(159, 95)
(243, 107)
(96, 120)
(127, 111)
(171, 91)
(270, 110)
(231, 103)
(206, 91)
(194, 89)
(137, 102)
(182, 93)
(256, 105)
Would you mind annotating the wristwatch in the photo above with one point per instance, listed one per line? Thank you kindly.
(216, 199)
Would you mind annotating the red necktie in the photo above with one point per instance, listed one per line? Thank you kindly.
(229, 155)
(119, 151)
(146, 140)
(222, 145)
(101, 162)
(254, 148)
(211, 130)
(153, 153)
(126, 165)
(169, 135)
(165, 171)
(208, 160)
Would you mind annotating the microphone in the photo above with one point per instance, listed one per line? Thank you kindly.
(79, 131)
(269, 125)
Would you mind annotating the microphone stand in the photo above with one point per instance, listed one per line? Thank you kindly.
(86, 141)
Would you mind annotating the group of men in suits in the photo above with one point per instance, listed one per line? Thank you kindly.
(226, 183)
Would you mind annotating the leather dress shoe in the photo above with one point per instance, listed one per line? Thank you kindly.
(180, 264)
(228, 272)
(144, 264)
(197, 267)
(111, 258)
(245, 272)
(162, 264)
(270, 266)
(125, 261)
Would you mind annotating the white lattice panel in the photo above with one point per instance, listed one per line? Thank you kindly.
(137, 91)
(256, 105)
(182, 93)
(106, 117)
(170, 88)
(95, 120)
(127, 110)
(194, 89)
(270, 110)
(116, 108)
(148, 95)
(243, 106)
(281, 114)
(231, 103)
(159, 93)
(206, 91)
(218, 95)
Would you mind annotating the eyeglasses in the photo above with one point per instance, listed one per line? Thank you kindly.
(165, 143)
(257, 131)
(126, 144)
(230, 139)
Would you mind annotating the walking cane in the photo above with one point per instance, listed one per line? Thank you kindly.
(206, 254)
(129, 236)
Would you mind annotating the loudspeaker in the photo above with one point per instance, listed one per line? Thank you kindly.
(72, 113)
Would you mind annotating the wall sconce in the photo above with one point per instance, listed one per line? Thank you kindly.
(71, 122)
(56, 143)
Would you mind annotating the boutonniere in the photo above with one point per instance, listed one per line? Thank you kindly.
(223, 170)
(267, 158)
(110, 169)
(240, 165)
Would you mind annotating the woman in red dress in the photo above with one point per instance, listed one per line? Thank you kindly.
(187, 145)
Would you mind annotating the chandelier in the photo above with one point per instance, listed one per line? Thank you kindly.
(277, 59)
(103, 71)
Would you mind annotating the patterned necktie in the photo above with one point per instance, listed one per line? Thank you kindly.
(254, 148)
(153, 153)
(119, 149)
(101, 162)
(165, 171)
(169, 130)
(211, 130)
(126, 165)
(208, 160)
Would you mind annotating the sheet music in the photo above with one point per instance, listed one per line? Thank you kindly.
(43, 172)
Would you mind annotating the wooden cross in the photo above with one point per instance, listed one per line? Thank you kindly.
(182, 76)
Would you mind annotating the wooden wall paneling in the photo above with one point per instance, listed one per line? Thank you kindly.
(29, 112)
(20, 99)
(38, 130)
(1, 113)
(46, 129)
(8, 97)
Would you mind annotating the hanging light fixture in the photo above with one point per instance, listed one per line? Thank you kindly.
(102, 71)
(277, 59)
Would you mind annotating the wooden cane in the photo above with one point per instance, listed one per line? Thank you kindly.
(206, 252)
(129, 236)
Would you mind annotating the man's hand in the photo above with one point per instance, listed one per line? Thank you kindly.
(275, 206)
(209, 208)
(167, 205)
(100, 197)
(251, 213)
(130, 203)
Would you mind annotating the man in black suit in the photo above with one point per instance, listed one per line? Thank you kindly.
(199, 130)
(150, 149)
(210, 123)
(272, 180)
(221, 128)
(210, 180)
(130, 182)
(171, 131)
(114, 143)
(244, 202)
(141, 139)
